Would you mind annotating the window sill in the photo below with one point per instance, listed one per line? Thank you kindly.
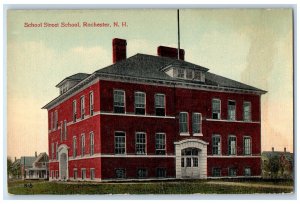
(197, 134)
(185, 134)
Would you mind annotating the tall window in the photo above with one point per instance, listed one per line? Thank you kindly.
(119, 101)
(51, 122)
(247, 111)
(120, 143)
(56, 150)
(140, 143)
(65, 130)
(160, 105)
(197, 123)
(82, 107)
(232, 145)
(216, 109)
(74, 147)
(83, 174)
(91, 143)
(92, 174)
(216, 145)
(55, 120)
(61, 130)
(231, 110)
(139, 103)
(183, 122)
(74, 111)
(75, 173)
(160, 143)
(52, 150)
(247, 145)
(91, 103)
(82, 145)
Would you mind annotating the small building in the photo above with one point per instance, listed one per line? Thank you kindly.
(34, 167)
(39, 169)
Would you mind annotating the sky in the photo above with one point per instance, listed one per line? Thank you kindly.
(253, 46)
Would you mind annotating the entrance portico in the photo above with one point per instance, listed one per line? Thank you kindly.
(63, 162)
(191, 159)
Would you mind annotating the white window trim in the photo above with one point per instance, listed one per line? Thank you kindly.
(212, 152)
(145, 104)
(91, 95)
(83, 169)
(250, 112)
(51, 120)
(74, 107)
(235, 112)
(165, 103)
(136, 133)
(74, 139)
(92, 133)
(187, 122)
(216, 99)
(82, 107)
(91, 174)
(162, 133)
(124, 96)
(200, 124)
(244, 137)
(82, 144)
(115, 143)
(234, 147)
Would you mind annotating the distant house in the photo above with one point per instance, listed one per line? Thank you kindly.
(277, 164)
(39, 169)
(35, 167)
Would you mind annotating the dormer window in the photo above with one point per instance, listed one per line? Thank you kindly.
(197, 75)
(180, 73)
(189, 73)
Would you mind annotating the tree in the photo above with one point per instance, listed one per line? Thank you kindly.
(9, 166)
(273, 165)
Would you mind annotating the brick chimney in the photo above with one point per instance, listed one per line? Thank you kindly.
(272, 149)
(285, 150)
(171, 52)
(119, 49)
(35, 154)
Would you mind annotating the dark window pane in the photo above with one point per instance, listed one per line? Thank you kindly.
(160, 111)
(140, 111)
(119, 109)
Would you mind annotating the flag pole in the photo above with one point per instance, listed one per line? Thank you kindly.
(178, 52)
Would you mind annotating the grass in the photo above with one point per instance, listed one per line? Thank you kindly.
(166, 187)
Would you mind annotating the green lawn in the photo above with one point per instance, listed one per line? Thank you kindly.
(166, 187)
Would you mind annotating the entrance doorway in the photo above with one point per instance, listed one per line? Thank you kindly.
(190, 163)
(191, 159)
(63, 162)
